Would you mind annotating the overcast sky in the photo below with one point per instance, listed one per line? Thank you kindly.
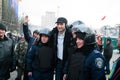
(88, 11)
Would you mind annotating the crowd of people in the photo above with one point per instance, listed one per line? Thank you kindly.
(68, 53)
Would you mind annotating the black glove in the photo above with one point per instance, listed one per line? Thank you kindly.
(13, 68)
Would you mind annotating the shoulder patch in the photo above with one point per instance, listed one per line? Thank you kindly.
(99, 63)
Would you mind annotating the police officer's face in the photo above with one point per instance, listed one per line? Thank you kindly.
(79, 43)
(61, 27)
(44, 39)
(2, 33)
(35, 35)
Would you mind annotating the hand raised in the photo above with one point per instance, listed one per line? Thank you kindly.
(26, 20)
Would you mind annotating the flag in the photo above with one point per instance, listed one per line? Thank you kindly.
(103, 18)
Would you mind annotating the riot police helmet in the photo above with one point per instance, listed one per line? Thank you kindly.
(88, 35)
(74, 26)
(45, 31)
(36, 31)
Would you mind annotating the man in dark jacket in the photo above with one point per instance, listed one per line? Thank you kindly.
(27, 34)
(7, 56)
(61, 39)
(43, 58)
(108, 51)
(30, 40)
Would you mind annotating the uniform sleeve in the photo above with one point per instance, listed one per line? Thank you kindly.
(97, 69)
(30, 57)
(26, 32)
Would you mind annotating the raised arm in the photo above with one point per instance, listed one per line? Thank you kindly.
(26, 31)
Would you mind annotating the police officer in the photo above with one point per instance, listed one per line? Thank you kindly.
(30, 40)
(27, 34)
(43, 58)
(74, 27)
(94, 63)
(74, 67)
(75, 60)
(7, 56)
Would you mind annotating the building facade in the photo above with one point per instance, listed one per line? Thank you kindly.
(9, 13)
(48, 20)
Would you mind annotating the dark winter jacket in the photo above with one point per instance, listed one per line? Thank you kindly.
(75, 64)
(28, 37)
(66, 43)
(108, 52)
(94, 66)
(86, 63)
(40, 57)
(7, 58)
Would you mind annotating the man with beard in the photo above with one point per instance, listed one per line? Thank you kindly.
(61, 39)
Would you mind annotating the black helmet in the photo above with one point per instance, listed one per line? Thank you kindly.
(36, 31)
(45, 31)
(74, 26)
(85, 33)
(78, 22)
(90, 39)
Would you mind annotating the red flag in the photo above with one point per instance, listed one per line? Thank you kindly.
(103, 18)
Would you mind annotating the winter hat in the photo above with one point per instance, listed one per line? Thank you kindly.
(61, 20)
(108, 39)
(2, 26)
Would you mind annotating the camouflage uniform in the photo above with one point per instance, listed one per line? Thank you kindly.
(21, 49)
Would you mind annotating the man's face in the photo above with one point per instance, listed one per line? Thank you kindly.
(44, 39)
(2, 33)
(79, 43)
(35, 35)
(61, 27)
(108, 42)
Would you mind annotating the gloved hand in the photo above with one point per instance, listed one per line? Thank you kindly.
(12, 68)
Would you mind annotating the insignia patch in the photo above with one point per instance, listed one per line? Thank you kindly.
(99, 62)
